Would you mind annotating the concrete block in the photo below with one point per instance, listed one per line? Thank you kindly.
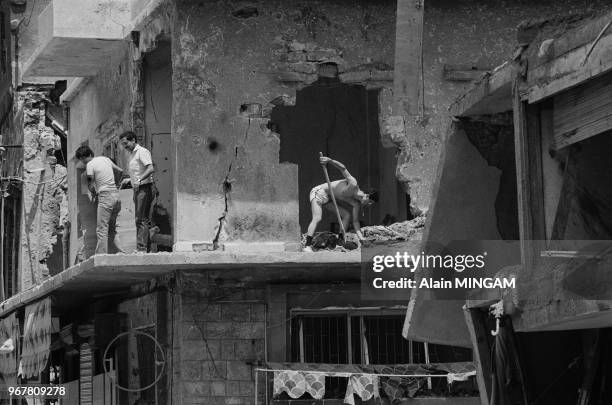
(232, 387)
(216, 370)
(303, 67)
(202, 312)
(294, 57)
(258, 312)
(284, 100)
(193, 246)
(247, 388)
(220, 329)
(245, 349)
(235, 312)
(255, 294)
(228, 350)
(196, 388)
(355, 77)
(249, 330)
(196, 349)
(191, 370)
(239, 370)
(322, 55)
(217, 389)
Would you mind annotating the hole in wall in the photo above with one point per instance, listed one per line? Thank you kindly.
(213, 145)
(340, 120)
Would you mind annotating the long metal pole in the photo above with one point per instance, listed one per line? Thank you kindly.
(2, 251)
(333, 197)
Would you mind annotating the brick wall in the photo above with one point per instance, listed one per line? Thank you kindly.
(223, 330)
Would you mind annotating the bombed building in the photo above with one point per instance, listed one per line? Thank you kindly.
(234, 101)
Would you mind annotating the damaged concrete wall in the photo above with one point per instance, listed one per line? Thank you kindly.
(221, 334)
(41, 185)
(230, 54)
(473, 33)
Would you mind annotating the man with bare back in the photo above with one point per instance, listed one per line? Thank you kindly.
(349, 197)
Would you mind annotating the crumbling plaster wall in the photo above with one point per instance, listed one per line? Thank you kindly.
(221, 62)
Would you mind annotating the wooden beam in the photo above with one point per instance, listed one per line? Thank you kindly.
(571, 39)
(568, 189)
(570, 70)
(528, 152)
(408, 80)
(490, 95)
(481, 352)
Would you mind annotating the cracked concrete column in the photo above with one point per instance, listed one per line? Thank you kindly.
(408, 119)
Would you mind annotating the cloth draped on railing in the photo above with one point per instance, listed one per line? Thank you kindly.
(36, 338)
(9, 334)
(397, 380)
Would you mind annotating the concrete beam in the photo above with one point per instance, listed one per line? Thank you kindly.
(76, 38)
(492, 94)
(116, 273)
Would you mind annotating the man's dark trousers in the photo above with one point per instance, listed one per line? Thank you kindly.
(143, 198)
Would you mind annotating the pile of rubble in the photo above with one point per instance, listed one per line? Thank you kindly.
(406, 230)
(375, 234)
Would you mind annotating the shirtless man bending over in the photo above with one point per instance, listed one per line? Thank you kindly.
(349, 197)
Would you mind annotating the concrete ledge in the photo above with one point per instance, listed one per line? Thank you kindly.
(77, 37)
(407, 401)
(237, 247)
(103, 274)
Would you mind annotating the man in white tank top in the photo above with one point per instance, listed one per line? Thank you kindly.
(101, 183)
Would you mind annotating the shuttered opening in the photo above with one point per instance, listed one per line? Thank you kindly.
(583, 112)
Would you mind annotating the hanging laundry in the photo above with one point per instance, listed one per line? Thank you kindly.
(297, 383)
(315, 385)
(36, 338)
(9, 337)
(363, 385)
(450, 378)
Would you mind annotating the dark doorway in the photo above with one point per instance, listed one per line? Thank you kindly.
(157, 80)
(341, 121)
